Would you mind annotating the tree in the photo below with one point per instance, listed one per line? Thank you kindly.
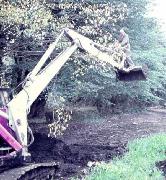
(28, 28)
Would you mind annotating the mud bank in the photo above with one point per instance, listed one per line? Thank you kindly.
(72, 158)
(86, 140)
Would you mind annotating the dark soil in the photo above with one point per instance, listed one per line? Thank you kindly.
(72, 158)
(95, 139)
(162, 166)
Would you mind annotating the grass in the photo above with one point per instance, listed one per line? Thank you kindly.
(137, 164)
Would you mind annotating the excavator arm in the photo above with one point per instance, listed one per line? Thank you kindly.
(19, 106)
(38, 80)
(92, 48)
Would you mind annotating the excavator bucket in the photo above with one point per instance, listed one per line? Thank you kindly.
(134, 74)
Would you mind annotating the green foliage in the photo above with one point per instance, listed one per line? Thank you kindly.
(30, 26)
(137, 163)
(30, 16)
(154, 60)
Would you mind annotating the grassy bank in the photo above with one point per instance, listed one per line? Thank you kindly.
(137, 164)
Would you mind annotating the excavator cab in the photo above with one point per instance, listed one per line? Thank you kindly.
(4, 96)
(4, 147)
(5, 131)
(136, 73)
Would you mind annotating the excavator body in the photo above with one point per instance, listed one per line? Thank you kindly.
(14, 128)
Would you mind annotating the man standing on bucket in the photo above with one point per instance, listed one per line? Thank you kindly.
(125, 45)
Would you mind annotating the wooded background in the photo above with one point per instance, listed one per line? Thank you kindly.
(28, 27)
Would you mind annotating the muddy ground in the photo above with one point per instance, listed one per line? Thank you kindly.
(91, 137)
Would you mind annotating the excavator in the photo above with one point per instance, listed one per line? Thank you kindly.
(15, 134)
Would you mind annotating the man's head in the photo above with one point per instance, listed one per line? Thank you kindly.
(122, 32)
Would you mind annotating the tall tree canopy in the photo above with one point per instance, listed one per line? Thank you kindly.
(28, 27)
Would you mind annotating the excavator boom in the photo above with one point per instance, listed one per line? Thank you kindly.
(123, 74)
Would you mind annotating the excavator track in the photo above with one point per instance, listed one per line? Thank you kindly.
(38, 171)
